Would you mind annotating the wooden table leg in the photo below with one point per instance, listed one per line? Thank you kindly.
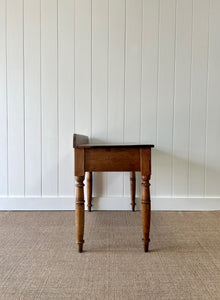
(133, 189)
(146, 210)
(79, 212)
(89, 190)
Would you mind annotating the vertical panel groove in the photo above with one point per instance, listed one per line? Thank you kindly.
(107, 92)
(158, 69)
(58, 99)
(141, 68)
(158, 82)
(107, 108)
(206, 128)
(124, 83)
(165, 97)
(174, 98)
(74, 81)
(15, 97)
(157, 106)
(199, 82)
(91, 69)
(141, 71)
(6, 82)
(24, 98)
(182, 97)
(125, 32)
(49, 97)
(190, 103)
(212, 167)
(65, 91)
(157, 95)
(41, 119)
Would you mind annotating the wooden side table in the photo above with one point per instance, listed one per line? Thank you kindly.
(111, 158)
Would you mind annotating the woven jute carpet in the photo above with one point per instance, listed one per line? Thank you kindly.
(38, 257)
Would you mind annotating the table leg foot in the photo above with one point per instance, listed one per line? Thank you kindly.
(80, 246)
(146, 245)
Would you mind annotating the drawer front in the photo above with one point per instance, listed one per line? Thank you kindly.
(112, 159)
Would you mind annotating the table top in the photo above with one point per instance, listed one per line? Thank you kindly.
(132, 145)
(82, 141)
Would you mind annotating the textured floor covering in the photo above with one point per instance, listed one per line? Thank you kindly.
(38, 257)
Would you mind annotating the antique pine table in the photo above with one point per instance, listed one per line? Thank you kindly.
(110, 158)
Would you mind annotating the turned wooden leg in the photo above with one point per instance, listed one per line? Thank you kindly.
(79, 212)
(146, 210)
(89, 190)
(133, 189)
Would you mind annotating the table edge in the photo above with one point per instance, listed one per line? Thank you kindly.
(114, 146)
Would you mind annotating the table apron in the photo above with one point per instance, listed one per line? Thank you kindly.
(112, 159)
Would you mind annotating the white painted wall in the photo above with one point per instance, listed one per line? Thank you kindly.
(120, 71)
